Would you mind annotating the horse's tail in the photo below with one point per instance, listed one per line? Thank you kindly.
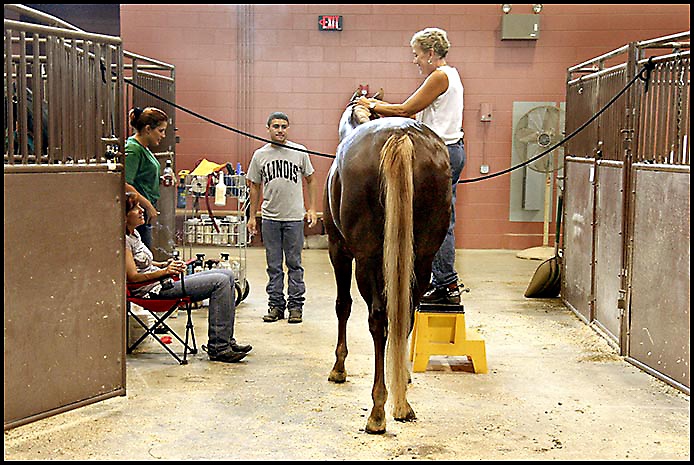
(396, 169)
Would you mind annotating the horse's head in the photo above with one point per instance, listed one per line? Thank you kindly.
(354, 114)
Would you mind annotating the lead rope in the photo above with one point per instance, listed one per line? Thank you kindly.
(647, 68)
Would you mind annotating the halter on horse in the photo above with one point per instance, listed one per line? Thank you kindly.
(387, 205)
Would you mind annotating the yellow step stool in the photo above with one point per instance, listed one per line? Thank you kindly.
(439, 329)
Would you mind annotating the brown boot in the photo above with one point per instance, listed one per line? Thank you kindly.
(295, 315)
(273, 314)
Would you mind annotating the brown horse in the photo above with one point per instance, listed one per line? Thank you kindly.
(387, 205)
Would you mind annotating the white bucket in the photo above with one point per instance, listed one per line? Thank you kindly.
(135, 330)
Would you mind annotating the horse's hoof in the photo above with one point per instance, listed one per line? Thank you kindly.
(337, 376)
(408, 415)
(375, 426)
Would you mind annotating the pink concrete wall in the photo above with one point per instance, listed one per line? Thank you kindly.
(310, 74)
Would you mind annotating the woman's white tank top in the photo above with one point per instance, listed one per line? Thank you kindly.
(445, 114)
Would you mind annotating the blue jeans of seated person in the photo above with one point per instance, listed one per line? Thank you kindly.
(284, 240)
(443, 267)
(218, 286)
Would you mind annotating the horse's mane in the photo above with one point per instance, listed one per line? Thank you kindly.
(361, 114)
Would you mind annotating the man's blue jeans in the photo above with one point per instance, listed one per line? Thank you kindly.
(443, 268)
(284, 240)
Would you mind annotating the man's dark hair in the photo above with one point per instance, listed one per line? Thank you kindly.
(277, 115)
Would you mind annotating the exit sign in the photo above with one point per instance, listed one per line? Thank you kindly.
(330, 23)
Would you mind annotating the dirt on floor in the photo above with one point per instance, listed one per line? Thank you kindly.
(555, 390)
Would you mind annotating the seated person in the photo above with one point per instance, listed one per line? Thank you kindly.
(217, 285)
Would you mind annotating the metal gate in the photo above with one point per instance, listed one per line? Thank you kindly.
(626, 235)
(64, 273)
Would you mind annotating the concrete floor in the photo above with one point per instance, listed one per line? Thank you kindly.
(555, 389)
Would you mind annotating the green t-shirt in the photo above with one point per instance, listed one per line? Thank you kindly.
(142, 169)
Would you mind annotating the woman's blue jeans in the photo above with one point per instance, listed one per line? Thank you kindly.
(443, 268)
(218, 286)
(284, 240)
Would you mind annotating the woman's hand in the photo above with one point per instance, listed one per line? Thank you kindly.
(174, 267)
(152, 214)
(365, 102)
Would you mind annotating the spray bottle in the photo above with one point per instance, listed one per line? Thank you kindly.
(220, 192)
(224, 262)
(167, 178)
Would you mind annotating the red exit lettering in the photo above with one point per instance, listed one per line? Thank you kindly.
(330, 23)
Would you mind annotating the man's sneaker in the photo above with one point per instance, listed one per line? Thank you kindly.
(443, 295)
(273, 314)
(295, 315)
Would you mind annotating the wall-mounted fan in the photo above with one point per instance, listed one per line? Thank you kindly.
(537, 127)
(535, 132)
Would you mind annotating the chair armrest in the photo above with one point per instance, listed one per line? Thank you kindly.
(178, 277)
(132, 285)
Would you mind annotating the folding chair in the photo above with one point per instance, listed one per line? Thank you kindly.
(164, 307)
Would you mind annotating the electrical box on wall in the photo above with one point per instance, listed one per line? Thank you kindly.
(485, 112)
(519, 27)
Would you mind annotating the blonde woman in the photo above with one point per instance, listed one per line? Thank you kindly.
(438, 103)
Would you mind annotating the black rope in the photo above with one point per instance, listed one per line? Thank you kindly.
(221, 125)
(647, 68)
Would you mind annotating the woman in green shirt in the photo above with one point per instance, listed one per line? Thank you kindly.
(142, 169)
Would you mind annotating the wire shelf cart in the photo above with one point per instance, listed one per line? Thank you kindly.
(226, 230)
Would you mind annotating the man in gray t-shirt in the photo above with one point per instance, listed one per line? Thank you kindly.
(278, 170)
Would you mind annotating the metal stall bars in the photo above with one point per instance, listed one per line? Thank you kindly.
(64, 275)
(595, 157)
(64, 74)
(626, 240)
(157, 78)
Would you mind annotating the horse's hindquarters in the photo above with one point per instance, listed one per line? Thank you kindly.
(390, 211)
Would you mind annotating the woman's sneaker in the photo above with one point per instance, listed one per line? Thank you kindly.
(443, 295)
(229, 356)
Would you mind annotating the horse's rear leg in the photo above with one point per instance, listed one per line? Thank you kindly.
(376, 424)
(342, 265)
(370, 281)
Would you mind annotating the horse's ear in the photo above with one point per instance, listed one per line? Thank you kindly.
(379, 95)
(356, 95)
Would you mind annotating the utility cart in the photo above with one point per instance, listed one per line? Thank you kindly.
(219, 226)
